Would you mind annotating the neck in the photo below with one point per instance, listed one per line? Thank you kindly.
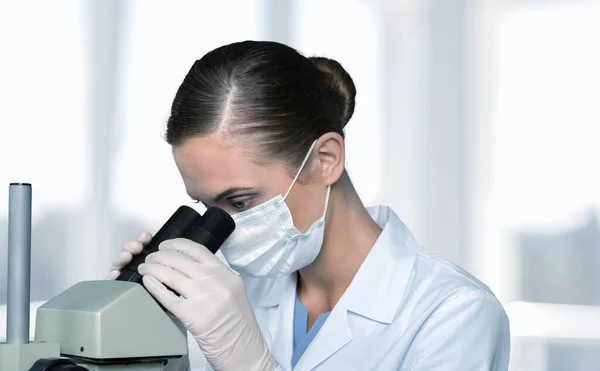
(350, 233)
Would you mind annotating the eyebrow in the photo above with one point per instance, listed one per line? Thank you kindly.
(225, 193)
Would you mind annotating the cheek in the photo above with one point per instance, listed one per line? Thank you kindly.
(306, 205)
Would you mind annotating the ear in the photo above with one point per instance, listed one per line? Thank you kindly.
(330, 158)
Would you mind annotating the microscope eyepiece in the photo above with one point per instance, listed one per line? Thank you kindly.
(209, 230)
(178, 225)
(215, 226)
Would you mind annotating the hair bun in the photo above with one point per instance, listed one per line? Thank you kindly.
(341, 85)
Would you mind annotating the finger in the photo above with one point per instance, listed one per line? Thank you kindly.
(134, 247)
(170, 277)
(175, 260)
(185, 265)
(112, 275)
(145, 238)
(163, 295)
(194, 250)
(124, 258)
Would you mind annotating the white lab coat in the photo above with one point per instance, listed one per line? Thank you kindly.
(406, 310)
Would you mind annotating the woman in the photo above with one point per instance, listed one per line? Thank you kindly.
(324, 283)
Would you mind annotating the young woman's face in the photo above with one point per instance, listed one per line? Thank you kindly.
(219, 173)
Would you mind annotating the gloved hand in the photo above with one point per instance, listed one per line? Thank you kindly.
(130, 249)
(213, 305)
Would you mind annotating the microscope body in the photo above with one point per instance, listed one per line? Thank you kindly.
(113, 325)
(108, 325)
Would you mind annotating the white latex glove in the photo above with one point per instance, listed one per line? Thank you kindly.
(130, 249)
(213, 305)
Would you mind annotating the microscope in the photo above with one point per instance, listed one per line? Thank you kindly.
(98, 325)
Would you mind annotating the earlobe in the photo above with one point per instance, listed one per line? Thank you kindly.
(331, 156)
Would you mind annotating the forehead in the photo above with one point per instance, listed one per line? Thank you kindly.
(210, 165)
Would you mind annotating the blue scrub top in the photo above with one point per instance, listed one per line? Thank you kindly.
(302, 339)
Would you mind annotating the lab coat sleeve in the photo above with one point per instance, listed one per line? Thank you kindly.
(468, 332)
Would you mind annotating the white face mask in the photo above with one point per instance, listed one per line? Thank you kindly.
(266, 243)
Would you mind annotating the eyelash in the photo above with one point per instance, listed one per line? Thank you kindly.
(245, 204)
(233, 204)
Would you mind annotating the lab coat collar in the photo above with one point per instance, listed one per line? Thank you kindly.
(378, 287)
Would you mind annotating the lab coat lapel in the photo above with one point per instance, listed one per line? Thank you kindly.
(386, 270)
(280, 326)
(332, 337)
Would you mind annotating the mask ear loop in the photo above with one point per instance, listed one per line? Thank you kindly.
(312, 146)
(326, 202)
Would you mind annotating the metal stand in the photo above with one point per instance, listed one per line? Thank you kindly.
(19, 263)
(97, 325)
(18, 354)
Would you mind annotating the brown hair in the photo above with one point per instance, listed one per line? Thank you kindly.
(265, 93)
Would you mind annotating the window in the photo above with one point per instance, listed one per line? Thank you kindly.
(43, 138)
(546, 182)
(163, 41)
(317, 26)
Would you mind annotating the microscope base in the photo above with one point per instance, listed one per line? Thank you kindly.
(158, 366)
(169, 364)
(20, 357)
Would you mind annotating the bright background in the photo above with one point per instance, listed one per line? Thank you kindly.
(477, 121)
